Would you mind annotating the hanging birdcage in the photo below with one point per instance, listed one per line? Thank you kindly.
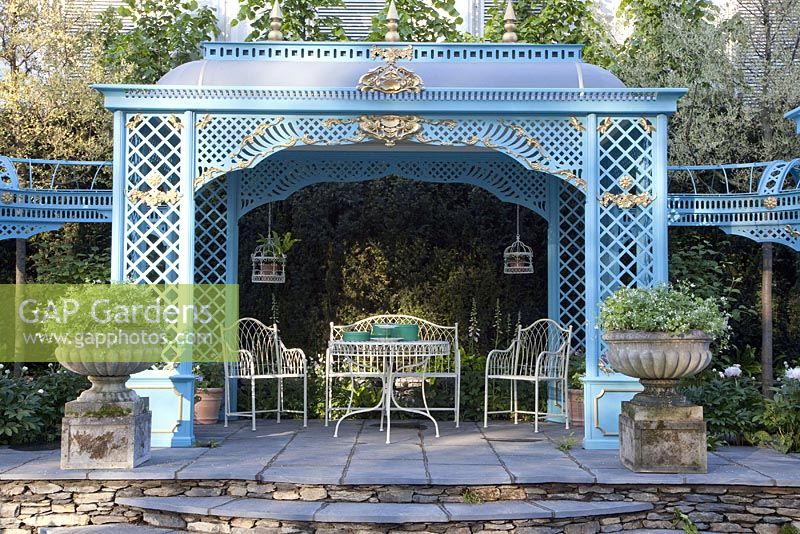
(269, 261)
(518, 257)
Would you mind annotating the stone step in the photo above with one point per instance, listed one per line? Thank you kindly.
(107, 529)
(348, 512)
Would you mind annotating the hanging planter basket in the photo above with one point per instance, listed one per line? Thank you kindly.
(518, 258)
(269, 263)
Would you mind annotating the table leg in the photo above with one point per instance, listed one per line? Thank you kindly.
(388, 395)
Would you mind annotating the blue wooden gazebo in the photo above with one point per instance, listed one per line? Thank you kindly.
(252, 123)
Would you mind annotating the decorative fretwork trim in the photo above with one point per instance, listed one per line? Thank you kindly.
(277, 133)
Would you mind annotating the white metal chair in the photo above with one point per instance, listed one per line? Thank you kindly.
(538, 354)
(263, 356)
(447, 367)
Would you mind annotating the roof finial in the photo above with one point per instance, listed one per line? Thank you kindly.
(392, 18)
(510, 26)
(275, 22)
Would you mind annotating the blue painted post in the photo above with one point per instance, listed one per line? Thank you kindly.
(232, 182)
(660, 204)
(118, 229)
(184, 381)
(554, 404)
(591, 174)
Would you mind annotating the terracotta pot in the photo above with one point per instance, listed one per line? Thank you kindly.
(659, 360)
(206, 406)
(575, 406)
(269, 268)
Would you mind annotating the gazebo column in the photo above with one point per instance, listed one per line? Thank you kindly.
(660, 204)
(233, 184)
(626, 245)
(554, 403)
(184, 381)
(153, 238)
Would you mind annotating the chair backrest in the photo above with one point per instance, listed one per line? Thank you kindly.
(545, 338)
(262, 343)
(428, 331)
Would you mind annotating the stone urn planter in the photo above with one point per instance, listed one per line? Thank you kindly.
(207, 404)
(108, 425)
(659, 361)
(660, 431)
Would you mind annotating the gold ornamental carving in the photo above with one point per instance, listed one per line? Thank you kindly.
(646, 126)
(134, 121)
(390, 128)
(154, 196)
(577, 124)
(175, 122)
(605, 124)
(770, 203)
(390, 78)
(626, 200)
(792, 232)
(205, 121)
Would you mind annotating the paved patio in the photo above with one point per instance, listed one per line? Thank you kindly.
(502, 454)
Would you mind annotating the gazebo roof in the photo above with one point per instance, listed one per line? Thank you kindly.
(360, 77)
(464, 65)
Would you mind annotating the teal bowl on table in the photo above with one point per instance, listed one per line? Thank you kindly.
(382, 331)
(355, 336)
(406, 332)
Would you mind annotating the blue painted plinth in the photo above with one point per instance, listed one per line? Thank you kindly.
(171, 396)
(603, 397)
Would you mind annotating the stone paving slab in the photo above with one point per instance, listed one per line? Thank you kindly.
(471, 454)
(564, 509)
(302, 474)
(265, 508)
(184, 505)
(348, 512)
(342, 512)
(620, 475)
(496, 511)
(457, 474)
(733, 474)
(374, 471)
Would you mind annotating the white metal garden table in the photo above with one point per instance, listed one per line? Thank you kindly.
(385, 360)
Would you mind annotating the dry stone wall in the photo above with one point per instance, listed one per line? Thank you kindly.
(27, 505)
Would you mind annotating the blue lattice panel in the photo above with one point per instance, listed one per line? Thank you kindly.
(152, 191)
(626, 242)
(572, 261)
(211, 227)
(233, 142)
(277, 178)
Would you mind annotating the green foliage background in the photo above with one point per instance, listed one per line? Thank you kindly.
(393, 245)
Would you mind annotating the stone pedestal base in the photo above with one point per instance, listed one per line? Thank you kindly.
(662, 439)
(105, 435)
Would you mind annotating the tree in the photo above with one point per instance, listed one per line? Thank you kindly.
(165, 34)
(769, 56)
(556, 21)
(669, 49)
(421, 21)
(741, 75)
(47, 107)
(301, 20)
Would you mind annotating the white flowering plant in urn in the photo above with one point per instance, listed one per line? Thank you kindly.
(660, 335)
